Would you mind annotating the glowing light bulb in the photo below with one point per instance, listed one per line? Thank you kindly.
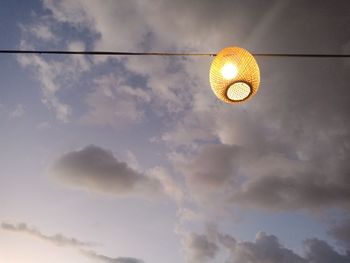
(229, 71)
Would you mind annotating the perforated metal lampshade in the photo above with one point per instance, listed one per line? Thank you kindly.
(234, 75)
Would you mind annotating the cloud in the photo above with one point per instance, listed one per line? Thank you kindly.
(102, 258)
(40, 29)
(264, 249)
(47, 72)
(57, 239)
(227, 241)
(80, 62)
(54, 75)
(113, 102)
(286, 149)
(318, 251)
(172, 188)
(43, 32)
(341, 232)
(61, 240)
(224, 173)
(288, 129)
(267, 248)
(171, 82)
(292, 124)
(96, 169)
(176, 85)
(199, 248)
(212, 167)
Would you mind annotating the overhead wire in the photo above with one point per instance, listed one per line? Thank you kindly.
(181, 54)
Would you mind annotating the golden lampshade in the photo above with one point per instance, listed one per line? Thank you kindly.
(234, 75)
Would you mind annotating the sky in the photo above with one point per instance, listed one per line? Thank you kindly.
(134, 160)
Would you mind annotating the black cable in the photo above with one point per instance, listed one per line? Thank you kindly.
(303, 55)
(109, 53)
(105, 53)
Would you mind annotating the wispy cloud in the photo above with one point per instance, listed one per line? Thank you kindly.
(53, 75)
(114, 103)
(57, 239)
(47, 72)
(102, 258)
(62, 240)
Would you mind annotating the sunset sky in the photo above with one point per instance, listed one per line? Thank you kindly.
(116, 159)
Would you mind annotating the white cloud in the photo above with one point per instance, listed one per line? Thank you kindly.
(43, 32)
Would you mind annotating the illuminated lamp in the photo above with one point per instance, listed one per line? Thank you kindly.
(234, 75)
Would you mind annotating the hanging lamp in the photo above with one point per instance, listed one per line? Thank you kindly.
(234, 75)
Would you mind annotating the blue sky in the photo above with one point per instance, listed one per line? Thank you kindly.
(133, 159)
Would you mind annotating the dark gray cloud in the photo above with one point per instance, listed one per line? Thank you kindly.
(62, 240)
(276, 181)
(213, 166)
(57, 239)
(341, 232)
(300, 191)
(200, 249)
(96, 169)
(226, 240)
(265, 249)
(318, 251)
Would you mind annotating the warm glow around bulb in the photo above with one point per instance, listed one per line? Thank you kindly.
(234, 75)
(229, 71)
